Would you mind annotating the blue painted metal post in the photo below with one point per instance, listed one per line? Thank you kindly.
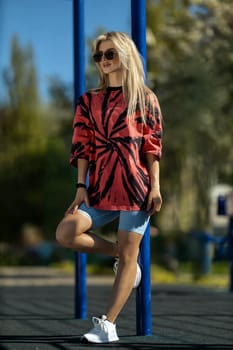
(230, 233)
(143, 298)
(79, 87)
(138, 27)
(222, 211)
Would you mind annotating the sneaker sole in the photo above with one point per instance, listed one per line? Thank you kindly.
(84, 340)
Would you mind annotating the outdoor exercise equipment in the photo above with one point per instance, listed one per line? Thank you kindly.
(143, 298)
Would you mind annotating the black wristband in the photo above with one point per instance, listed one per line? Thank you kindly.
(80, 185)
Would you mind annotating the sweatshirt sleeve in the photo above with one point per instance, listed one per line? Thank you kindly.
(82, 132)
(152, 131)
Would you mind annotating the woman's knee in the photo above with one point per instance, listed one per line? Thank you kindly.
(65, 232)
(70, 228)
(127, 255)
(128, 246)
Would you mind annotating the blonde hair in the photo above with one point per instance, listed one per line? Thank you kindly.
(133, 76)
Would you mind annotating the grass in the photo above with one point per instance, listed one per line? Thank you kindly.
(187, 277)
(217, 278)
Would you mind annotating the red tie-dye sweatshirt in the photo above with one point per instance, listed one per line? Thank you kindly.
(115, 147)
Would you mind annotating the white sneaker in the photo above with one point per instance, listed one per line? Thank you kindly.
(138, 273)
(103, 331)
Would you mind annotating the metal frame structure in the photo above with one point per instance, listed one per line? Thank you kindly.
(79, 88)
(143, 298)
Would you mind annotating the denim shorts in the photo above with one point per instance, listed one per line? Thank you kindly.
(132, 221)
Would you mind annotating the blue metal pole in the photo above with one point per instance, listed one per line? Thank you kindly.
(138, 27)
(231, 251)
(79, 87)
(143, 298)
(222, 211)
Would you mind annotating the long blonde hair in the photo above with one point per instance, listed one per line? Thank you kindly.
(133, 76)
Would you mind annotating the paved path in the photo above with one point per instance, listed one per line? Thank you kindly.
(38, 315)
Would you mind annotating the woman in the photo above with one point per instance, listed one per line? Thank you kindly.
(117, 138)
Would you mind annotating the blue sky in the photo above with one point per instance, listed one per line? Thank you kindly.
(47, 26)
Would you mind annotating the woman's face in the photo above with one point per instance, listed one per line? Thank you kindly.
(108, 57)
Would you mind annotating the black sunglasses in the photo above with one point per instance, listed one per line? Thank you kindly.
(108, 54)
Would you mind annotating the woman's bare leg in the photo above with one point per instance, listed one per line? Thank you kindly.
(128, 248)
(72, 232)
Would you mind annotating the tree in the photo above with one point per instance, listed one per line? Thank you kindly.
(186, 67)
(35, 176)
(21, 125)
(23, 145)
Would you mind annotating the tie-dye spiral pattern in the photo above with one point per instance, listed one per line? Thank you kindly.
(115, 147)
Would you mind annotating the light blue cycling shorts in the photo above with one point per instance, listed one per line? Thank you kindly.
(132, 221)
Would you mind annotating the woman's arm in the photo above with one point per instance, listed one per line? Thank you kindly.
(154, 200)
(82, 165)
(81, 194)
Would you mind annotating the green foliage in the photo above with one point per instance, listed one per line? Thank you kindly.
(22, 144)
(35, 177)
(60, 109)
(57, 190)
(190, 68)
(19, 201)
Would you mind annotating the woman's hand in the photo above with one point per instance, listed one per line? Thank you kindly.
(154, 202)
(81, 197)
